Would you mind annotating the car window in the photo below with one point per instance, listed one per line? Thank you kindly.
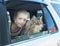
(56, 7)
(47, 23)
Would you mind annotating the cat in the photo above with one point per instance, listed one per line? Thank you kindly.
(34, 25)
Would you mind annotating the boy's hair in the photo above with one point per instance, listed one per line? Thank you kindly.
(19, 11)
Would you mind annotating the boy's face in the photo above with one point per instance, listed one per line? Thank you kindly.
(21, 18)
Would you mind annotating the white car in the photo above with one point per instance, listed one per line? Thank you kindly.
(49, 35)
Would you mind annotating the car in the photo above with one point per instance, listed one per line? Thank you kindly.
(50, 33)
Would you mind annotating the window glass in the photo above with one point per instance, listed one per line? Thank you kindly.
(57, 8)
(28, 16)
(49, 20)
(9, 19)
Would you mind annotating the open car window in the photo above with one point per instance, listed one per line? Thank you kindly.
(47, 25)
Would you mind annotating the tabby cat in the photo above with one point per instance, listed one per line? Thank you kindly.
(35, 25)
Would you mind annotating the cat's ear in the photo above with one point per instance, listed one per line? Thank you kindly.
(33, 18)
(41, 17)
(41, 21)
